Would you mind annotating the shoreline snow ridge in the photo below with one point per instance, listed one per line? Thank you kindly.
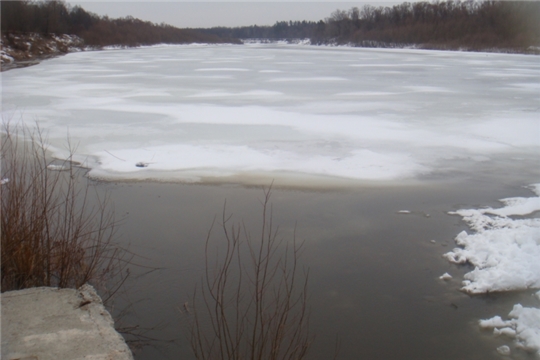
(25, 49)
(505, 252)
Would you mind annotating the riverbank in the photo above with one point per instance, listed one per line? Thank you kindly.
(21, 50)
(531, 50)
(49, 323)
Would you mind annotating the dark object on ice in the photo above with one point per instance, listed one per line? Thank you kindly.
(141, 164)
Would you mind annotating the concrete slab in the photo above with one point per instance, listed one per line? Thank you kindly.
(52, 324)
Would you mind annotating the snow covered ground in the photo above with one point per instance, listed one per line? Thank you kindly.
(505, 251)
(268, 111)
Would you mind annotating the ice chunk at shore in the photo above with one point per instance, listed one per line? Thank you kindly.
(506, 254)
(523, 326)
(503, 350)
(504, 251)
(446, 276)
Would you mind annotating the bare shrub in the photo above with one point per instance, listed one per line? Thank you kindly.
(253, 297)
(51, 235)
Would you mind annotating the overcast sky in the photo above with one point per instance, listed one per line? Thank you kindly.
(221, 13)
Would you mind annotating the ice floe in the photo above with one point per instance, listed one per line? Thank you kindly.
(505, 251)
(523, 326)
(54, 167)
(504, 350)
(446, 276)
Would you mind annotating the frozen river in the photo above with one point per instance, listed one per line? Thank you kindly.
(296, 113)
(382, 144)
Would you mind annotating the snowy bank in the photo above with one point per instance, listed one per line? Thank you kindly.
(305, 41)
(28, 49)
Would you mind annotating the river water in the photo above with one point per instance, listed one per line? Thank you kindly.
(374, 272)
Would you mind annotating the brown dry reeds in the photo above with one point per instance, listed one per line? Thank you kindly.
(253, 297)
(51, 234)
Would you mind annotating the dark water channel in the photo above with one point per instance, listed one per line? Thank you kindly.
(373, 271)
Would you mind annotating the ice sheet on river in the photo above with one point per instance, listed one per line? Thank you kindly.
(191, 112)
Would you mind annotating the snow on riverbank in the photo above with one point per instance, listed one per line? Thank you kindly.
(505, 250)
(22, 48)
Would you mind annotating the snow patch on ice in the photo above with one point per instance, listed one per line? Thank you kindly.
(255, 93)
(226, 160)
(366, 93)
(222, 69)
(54, 167)
(429, 89)
(303, 79)
(527, 86)
(400, 65)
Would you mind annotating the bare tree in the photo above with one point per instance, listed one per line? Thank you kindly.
(252, 303)
(51, 235)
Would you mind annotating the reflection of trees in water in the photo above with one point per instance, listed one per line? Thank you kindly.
(252, 303)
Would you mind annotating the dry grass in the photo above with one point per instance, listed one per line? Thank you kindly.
(253, 298)
(51, 235)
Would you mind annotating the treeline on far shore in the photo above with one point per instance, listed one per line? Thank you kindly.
(452, 24)
(475, 25)
(57, 17)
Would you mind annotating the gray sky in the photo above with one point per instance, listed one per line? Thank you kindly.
(221, 13)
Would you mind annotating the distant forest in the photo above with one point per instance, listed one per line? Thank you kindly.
(452, 24)
(57, 17)
(470, 25)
